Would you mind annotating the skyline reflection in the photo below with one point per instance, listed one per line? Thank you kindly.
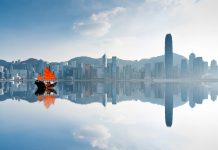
(169, 95)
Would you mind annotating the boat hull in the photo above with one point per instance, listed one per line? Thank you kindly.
(42, 85)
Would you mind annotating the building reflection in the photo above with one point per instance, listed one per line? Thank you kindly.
(169, 104)
(169, 95)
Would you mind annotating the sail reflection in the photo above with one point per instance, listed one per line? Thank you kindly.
(47, 95)
(169, 95)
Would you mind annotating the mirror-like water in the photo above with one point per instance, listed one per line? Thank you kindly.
(109, 116)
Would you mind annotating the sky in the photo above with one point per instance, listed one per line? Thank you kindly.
(56, 30)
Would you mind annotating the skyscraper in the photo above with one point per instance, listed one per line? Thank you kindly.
(184, 67)
(159, 69)
(198, 67)
(104, 61)
(213, 65)
(191, 63)
(1, 72)
(114, 67)
(168, 55)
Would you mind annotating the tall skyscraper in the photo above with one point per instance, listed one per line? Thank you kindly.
(198, 67)
(168, 55)
(184, 67)
(213, 65)
(191, 63)
(114, 67)
(104, 61)
(88, 71)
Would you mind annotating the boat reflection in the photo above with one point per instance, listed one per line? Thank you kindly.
(169, 95)
(46, 95)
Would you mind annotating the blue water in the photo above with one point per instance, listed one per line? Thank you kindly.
(109, 116)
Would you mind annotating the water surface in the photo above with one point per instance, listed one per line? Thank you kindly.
(110, 116)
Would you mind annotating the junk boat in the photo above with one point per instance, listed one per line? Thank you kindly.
(47, 81)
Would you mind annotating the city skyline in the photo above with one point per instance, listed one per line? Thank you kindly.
(58, 31)
(166, 67)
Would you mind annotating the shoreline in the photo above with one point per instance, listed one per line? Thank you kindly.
(179, 80)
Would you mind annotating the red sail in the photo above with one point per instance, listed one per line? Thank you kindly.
(47, 73)
(39, 77)
(52, 76)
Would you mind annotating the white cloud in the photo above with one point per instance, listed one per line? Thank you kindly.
(96, 29)
(99, 24)
(106, 14)
(98, 136)
(163, 4)
(134, 32)
(193, 26)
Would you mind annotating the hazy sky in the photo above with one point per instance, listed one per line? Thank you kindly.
(57, 30)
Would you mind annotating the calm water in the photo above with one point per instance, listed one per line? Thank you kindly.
(109, 116)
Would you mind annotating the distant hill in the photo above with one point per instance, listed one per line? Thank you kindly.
(138, 64)
(32, 61)
(134, 63)
(97, 61)
(176, 59)
(4, 63)
(85, 60)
